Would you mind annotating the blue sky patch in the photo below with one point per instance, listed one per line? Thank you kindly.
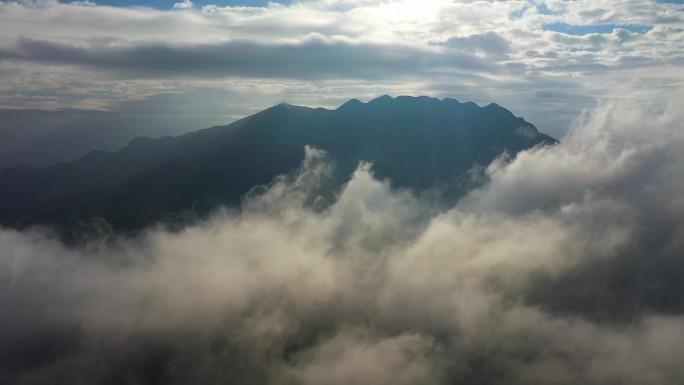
(544, 10)
(518, 13)
(595, 28)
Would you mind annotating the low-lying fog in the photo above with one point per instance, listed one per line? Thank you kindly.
(566, 268)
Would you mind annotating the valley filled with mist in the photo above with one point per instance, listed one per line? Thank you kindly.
(565, 263)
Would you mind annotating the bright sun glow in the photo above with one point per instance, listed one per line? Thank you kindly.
(412, 9)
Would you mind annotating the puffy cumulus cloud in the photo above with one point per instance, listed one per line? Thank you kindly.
(186, 4)
(564, 268)
(595, 156)
(86, 3)
(586, 12)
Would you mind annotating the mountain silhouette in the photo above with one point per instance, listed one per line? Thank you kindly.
(416, 142)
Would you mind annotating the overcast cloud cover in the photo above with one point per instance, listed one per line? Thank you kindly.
(564, 269)
(544, 60)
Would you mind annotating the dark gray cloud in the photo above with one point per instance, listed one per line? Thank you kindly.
(312, 58)
(565, 268)
(489, 43)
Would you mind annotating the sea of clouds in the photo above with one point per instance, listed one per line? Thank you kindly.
(565, 268)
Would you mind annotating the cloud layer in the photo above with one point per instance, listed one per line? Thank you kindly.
(322, 53)
(315, 58)
(565, 268)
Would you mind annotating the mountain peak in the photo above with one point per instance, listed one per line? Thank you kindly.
(422, 98)
(384, 99)
(282, 107)
(498, 110)
(350, 104)
(415, 142)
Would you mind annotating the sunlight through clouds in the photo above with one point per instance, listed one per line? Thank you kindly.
(545, 60)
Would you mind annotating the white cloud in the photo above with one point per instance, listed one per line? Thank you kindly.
(86, 3)
(536, 62)
(524, 282)
(186, 4)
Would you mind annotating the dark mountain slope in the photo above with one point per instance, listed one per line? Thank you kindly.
(416, 142)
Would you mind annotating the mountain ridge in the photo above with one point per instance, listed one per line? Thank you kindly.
(416, 142)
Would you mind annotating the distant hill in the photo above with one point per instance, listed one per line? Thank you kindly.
(416, 142)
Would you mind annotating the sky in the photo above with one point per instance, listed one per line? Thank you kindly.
(156, 68)
(164, 4)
